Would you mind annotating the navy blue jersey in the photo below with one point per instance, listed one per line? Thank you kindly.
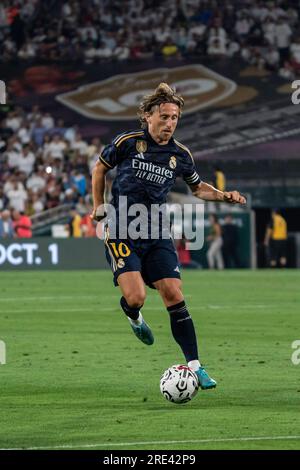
(146, 171)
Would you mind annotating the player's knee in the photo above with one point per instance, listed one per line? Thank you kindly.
(172, 296)
(136, 299)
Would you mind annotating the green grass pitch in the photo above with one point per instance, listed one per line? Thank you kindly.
(76, 376)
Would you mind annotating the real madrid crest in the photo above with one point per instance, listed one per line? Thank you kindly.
(173, 163)
(141, 146)
(121, 263)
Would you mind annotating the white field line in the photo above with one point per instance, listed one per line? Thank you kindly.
(98, 309)
(101, 297)
(66, 297)
(52, 310)
(147, 443)
(58, 297)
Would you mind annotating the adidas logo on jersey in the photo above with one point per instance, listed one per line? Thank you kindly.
(140, 155)
(177, 269)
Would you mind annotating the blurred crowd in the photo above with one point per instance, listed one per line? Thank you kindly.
(262, 33)
(43, 164)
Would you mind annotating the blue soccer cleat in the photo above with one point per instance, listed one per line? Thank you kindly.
(205, 381)
(143, 332)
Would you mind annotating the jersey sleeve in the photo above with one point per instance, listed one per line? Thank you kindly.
(109, 156)
(189, 172)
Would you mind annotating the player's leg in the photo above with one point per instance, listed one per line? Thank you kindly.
(161, 269)
(126, 267)
(182, 327)
(134, 295)
(133, 288)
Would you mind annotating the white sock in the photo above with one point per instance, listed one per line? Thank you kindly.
(138, 321)
(194, 365)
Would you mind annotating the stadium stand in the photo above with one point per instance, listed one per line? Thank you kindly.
(46, 158)
(262, 33)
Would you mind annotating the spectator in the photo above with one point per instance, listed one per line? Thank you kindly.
(74, 225)
(24, 133)
(242, 26)
(230, 239)
(101, 31)
(88, 229)
(3, 199)
(169, 49)
(47, 121)
(38, 132)
(13, 121)
(216, 47)
(219, 180)
(35, 205)
(295, 54)
(122, 51)
(79, 181)
(56, 148)
(217, 38)
(27, 51)
(184, 255)
(269, 31)
(12, 154)
(17, 197)
(79, 144)
(283, 35)
(214, 253)
(26, 160)
(6, 225)
(35, 115)
(276, 240)
(272, 58)
(93, 151)
(36, 182)
(10, 184)
(22, 225)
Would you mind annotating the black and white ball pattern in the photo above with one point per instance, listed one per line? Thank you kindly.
(179, 384)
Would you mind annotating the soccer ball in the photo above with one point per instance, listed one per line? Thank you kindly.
(179, 384)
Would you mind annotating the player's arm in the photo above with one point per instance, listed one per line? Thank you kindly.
(98, 188)
(107, 160)
(207, 192)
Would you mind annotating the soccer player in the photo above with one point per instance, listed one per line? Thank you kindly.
(148, 161)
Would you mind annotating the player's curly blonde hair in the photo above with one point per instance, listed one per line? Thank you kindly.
(163, 94)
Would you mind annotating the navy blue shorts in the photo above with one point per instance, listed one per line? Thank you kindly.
(154, 259)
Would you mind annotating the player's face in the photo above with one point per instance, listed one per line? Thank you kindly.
(163, 121)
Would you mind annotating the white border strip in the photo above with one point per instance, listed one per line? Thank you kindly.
(2, 92)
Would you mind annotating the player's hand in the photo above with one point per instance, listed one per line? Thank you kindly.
(234, 197)
(97, 217)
